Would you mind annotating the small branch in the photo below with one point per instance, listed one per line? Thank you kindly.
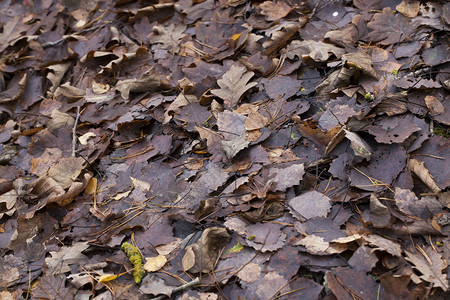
(74, 131)
(183, 287)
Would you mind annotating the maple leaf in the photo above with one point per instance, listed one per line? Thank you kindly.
(233, 85)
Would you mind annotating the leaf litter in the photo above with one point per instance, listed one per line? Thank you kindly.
(241, 149)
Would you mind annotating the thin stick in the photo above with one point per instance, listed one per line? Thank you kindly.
(74, 131)
(180, 288)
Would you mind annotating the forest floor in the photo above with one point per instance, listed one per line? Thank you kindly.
(225, 149)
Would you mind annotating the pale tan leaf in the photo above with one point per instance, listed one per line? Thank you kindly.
(69, 91)
(249, 273)
(154, 264)
(422, 172)
(359, 146)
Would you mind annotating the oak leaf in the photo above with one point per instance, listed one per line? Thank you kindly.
(233, 85)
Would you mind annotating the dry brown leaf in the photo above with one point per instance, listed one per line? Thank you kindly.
(287, 177)
(359, 146)
(317, 245)
(213, 142)
(380, 216)
(233, 85)
(169, 36)
(316, 50)
(255, 120)
(431, 264)
(336, 80)
(434, 105)
(361, 61)
(15, 88)
(275, 11)
(7, 203)
(422, 172)
(409, 8)
(232, 147)
(202, 256)
(249, 273)
(279, 38)
(146, 83)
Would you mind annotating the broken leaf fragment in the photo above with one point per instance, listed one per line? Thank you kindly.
(359, 146)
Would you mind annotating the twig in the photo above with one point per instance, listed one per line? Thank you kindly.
(180, 288)
(74, 131)
(51, 44)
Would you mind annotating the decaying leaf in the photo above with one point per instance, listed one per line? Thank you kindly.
(169, 36)
(359, 146)
(309, 205)
(60, 261)
(232, 147)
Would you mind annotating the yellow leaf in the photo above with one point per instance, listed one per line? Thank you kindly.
(107, 277)
(236, 249)
(236, 36)
(154, 264)
(91, 187)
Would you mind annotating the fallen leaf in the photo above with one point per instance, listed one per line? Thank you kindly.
(60, 260)
(434, 105)
(202, 256)
(233, 84)
(431, 264)
(409, 8)
(154, 264)
(275, 11)
(107, 277)
(316, 50)
(422, 172)
(249, 273)
(309, 205)
(279, 38)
